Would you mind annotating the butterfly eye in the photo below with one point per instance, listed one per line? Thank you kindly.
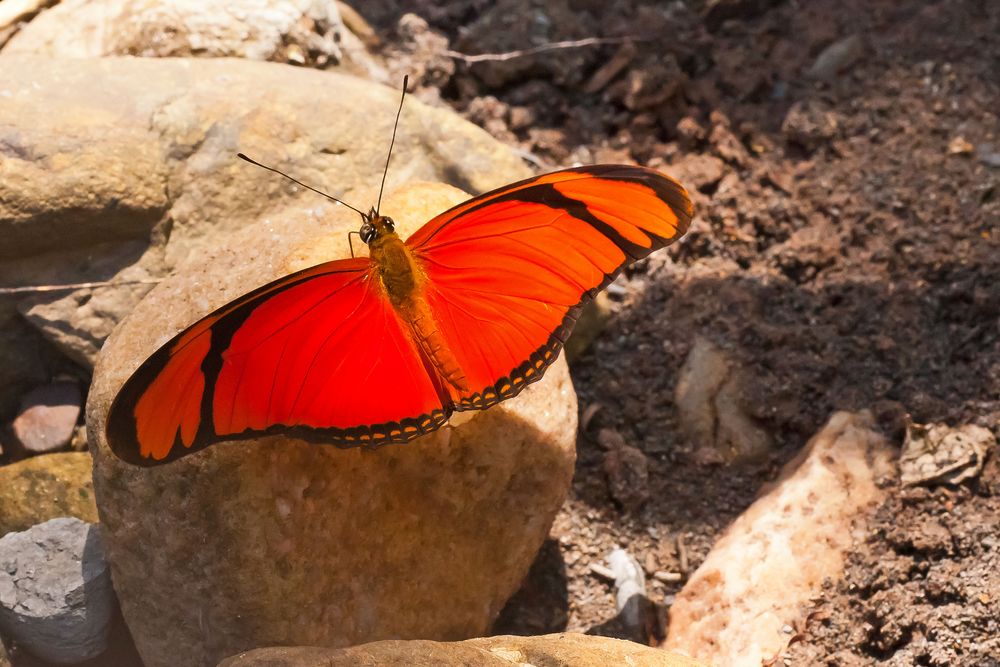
(390, 225)
(367, 232)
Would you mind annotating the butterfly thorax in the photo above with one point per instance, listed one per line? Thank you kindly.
(403, 279)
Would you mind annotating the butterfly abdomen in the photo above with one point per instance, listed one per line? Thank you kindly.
(403, 279)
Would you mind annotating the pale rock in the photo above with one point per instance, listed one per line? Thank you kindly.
(104, 177)
(630, 590)
(709, 396)
(47, 417)
(56, 599)
(44, 487)
(837, 58)
(277, 541)
(760, 575)
(502, 651)
(308, 32)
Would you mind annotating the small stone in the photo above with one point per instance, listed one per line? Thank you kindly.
(987, 155)
(960, 146)
(56, 598)
(47, 417)
(940, 454)
(627, 470)
(837, 58)
(699, 171)
(652, 85)
(810, 125)
(609, 439)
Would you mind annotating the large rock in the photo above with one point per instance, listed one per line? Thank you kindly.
(303, 32)
(277, 542)
(56, 598)
(104, 176)
(738, 609)
(45, 487)
(505, 651)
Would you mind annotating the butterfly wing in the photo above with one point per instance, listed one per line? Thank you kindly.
(509, 271)
(313, 355)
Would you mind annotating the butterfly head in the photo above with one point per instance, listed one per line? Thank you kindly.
(375, 226)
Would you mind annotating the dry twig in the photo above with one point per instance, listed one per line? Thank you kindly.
(541, 48)
(31, 289)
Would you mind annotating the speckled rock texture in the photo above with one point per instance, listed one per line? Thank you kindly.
(303, 32)
(56, 598)
(277, 542)
(503, 651)
(740, 607)
(45, 487)
(106, 177)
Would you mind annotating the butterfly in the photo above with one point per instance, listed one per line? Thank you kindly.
(465, 313)
(367, 351)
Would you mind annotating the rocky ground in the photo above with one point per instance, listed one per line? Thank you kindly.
(845, 162)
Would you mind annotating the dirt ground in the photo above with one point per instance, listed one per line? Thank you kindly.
(846, 250)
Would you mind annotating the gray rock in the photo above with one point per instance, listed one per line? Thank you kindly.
(47, 417)
(56, 598)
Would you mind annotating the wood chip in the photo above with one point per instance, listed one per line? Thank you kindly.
(609, 70)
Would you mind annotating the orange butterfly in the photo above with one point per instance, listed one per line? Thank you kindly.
(373, 350)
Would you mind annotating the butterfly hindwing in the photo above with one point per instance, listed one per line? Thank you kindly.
(314, 355)
(509, 271)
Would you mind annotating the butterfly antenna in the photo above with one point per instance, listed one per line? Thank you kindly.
(406, 80)
(298, 182)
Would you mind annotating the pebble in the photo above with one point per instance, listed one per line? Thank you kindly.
(837, 58)
(47, 417)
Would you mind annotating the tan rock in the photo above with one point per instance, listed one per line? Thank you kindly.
(504, 651)
(303, 32)
(106, 177)
(759, 577)
(709, 398)
(45, 487)
(279, 542)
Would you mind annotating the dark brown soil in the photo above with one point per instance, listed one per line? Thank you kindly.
(846, 250)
